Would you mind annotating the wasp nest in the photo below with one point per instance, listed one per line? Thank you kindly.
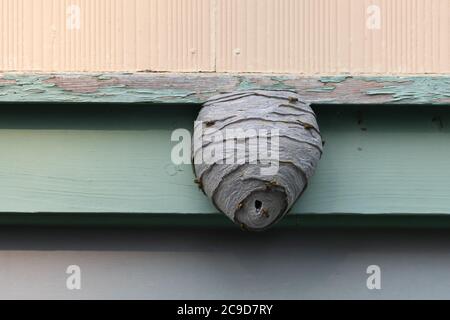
(254, 152)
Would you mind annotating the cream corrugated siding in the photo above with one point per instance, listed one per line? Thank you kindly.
(331, 36)
(115, 35)
(283, 36)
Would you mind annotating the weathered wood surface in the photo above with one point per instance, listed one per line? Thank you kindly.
(198, 87)
(376, 160)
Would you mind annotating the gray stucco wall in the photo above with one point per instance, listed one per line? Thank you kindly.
(224, 263)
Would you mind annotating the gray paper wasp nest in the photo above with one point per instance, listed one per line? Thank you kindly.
(254, 152)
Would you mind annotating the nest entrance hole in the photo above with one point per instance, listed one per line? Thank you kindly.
(258, 206)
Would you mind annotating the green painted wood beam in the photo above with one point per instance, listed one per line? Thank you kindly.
(103, 159)
(195, 88)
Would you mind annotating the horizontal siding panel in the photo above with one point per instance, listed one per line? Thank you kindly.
(102, 160)
(281, 36)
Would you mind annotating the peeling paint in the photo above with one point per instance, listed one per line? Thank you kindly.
(197, 88)
(417, 90)
(334, 79)
(266, 83)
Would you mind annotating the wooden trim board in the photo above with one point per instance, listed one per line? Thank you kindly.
(196, 88)
(377, 160)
